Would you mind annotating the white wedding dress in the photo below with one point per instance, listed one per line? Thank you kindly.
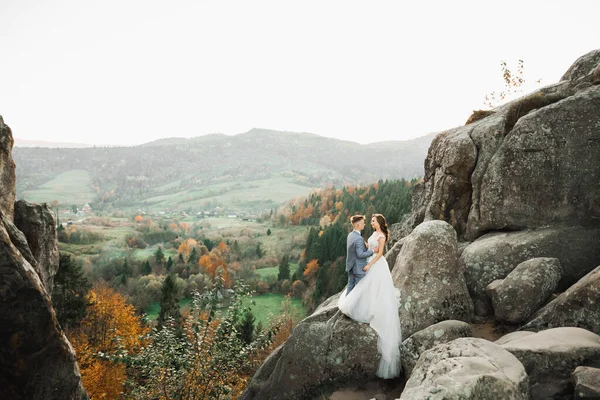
(373, 301)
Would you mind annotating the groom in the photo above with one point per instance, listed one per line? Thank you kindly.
(356, 252)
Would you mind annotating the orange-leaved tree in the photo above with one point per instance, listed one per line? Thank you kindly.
(109, 327)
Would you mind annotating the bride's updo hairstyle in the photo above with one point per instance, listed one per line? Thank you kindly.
(383, 225)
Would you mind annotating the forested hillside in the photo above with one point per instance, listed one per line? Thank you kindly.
(322, 264)
(125, 176)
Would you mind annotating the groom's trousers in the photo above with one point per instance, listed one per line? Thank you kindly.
(353, 279)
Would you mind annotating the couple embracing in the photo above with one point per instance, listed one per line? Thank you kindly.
(370, 295)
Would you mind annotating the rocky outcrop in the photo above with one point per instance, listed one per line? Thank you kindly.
(514, 184)
(467, 368)
(36, 359)
(427, 274)
(587, 383)
(516, 297)
(425, 339)
(7, 172)
(324, 352)
(536, 153)
(579, 306)
(495, 255)
(38, 224)
(552, 355)
(392, 253)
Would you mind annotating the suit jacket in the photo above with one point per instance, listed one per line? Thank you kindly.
(356, 253)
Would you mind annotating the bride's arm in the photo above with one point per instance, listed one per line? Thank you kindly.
(378, 255)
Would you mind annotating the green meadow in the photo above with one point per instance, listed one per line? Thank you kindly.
(71, 187)
(264, 307)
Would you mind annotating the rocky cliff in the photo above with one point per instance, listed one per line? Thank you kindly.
(518, 186)
(36, 359)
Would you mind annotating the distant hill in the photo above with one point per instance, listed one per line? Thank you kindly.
(42, 143)
(261, 167)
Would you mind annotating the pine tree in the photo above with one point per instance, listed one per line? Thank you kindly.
(159, 256)
(146, 269)
(236, 247)
(170, 264)
(180, 259)
(246, 327)
(269, 232)
(69, 292)
(259, 251)
(169, 303)
(193, 258)
(284, 269)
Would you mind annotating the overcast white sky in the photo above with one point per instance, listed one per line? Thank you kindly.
(132, 71)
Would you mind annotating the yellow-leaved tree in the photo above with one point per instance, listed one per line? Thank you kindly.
(109, 327)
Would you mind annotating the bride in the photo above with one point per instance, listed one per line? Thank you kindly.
(373, 301)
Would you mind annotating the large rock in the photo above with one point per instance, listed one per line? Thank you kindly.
(38, 224)
(450, 161)
(551, 356)
(392, 254)
(583, 66)
(516, 297)
(536, 153)
(495, 255)
(465, 369)
(587, 383)
(549, 161)
(425, 339)
(509, 337)
(8, 189)
(427, 274)
(325, 351)
(579, 306)
(36, 360)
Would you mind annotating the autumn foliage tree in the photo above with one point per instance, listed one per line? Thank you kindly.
(214, 261)
(109, 328)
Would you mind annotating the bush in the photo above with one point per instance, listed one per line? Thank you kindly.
(209, 361)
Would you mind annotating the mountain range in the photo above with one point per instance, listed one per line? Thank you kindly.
(177, 172)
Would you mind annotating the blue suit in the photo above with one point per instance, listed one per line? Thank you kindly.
(356, 259)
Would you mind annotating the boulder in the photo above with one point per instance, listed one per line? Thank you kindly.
(37, 361)
(427, 274)
(467, 368)
(392, 253)
(442, 332)
(516, 297)
(494, 255)
(587, 383)
(38, 224)
(547, 140)
(579, 306)
(326, 351)
(513, 336)
(551, 356)
(583, 66)
(8, 189)
(549, 161)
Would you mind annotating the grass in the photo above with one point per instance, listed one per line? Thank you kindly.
(257, 194)
(274, 271)
(264, 307)
(269, 304)
(148, 252)
(71, 187)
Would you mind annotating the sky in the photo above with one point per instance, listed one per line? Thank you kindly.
(125, 72)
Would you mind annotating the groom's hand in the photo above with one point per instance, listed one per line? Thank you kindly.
(367, 267)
